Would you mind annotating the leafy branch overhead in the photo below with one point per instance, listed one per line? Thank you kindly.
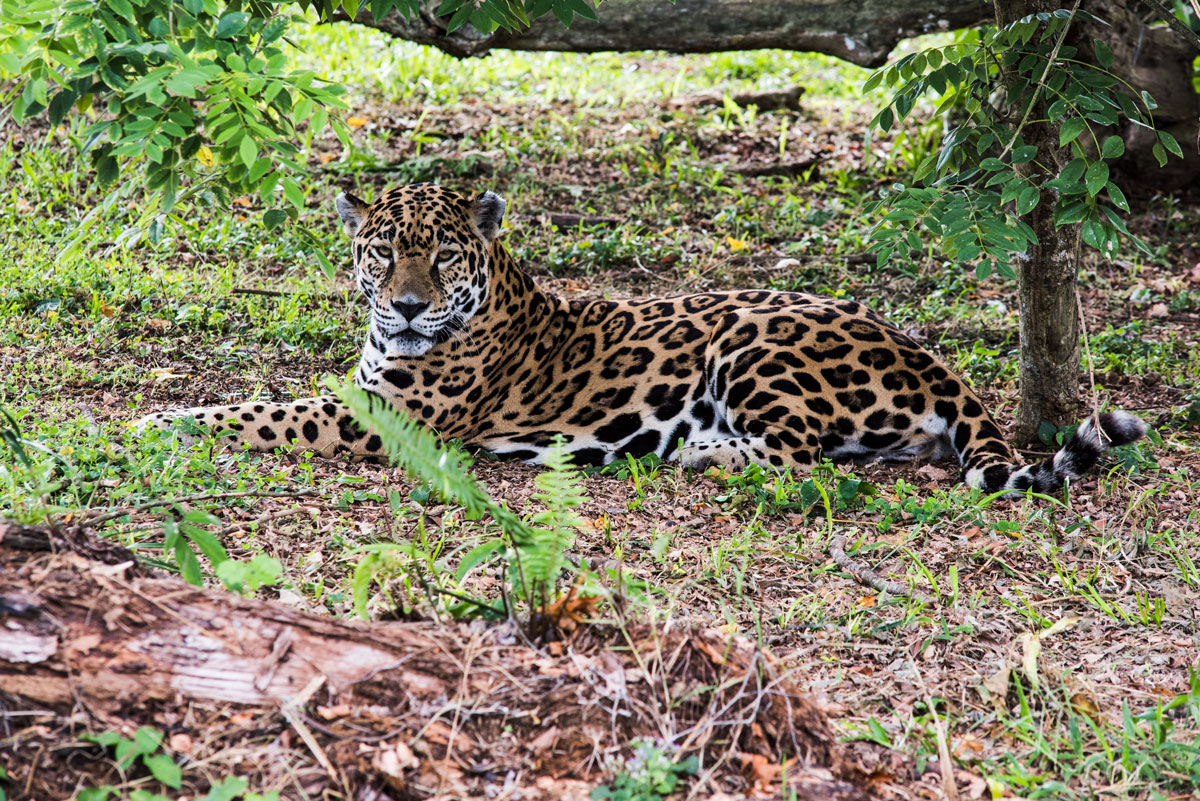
(971, 193)
(194, 101)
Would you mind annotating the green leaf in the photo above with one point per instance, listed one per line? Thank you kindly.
(885, 119)
(189, 565)
(146, 795)
(260, 168)
(231, 24)
(1113, 147)
(326, 267)
(1103, 54)
(579, 7)
(1071, 214)
(291, 190)
(185, 82)
(148, 739)
(266, 188)
(107, 170)
(983, 269)
(1096, 177)
(248, 150)
(475, 556)
(1071, 130)
(1160, 154)
(227, 789)
(993, 164)
(1024, 154)
(105, 738)
(1048, 434)
(273, 218)
(1117, 196)
(201, 517)
(1169, 143)
(1093, 234)
(95, 793)
(163, 768)
(1028, 199)
(1012, 189)
(463, 14)
(208, 544)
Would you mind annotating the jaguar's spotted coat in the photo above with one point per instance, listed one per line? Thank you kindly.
(464, 340)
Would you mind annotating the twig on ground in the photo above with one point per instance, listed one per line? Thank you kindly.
(33, 766)
(258, 521)
(865, 575)
(949, 787)
(275, 293)
(291, 712)
(92, 522)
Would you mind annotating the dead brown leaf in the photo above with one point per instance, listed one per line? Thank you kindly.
(544, 741)
(764, 773)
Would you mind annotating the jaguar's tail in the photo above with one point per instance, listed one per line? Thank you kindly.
(1072, 461)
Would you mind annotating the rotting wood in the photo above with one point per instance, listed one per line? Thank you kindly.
(160, 646)
(58, 538)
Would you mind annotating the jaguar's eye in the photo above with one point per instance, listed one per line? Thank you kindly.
(445, 257)
(383, 253)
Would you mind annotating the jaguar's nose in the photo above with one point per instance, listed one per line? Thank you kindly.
(408, 309)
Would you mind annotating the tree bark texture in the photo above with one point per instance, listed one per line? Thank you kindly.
(368, 708)
(860, 32)
(1047, 276)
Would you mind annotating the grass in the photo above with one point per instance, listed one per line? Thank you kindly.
(1111, 707)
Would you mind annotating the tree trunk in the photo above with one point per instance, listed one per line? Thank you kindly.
(362, 710)
(861, 32)
(1047, 275)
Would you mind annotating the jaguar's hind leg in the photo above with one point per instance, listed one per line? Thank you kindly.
(793, 385)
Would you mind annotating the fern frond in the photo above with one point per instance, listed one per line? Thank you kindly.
(553, 531)
(415, 448)
(540, 545)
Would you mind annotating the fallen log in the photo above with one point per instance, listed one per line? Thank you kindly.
(315, 704)
(776, 169)
(863, 32)
(774, 100)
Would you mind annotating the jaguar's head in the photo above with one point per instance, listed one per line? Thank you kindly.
(421, 259)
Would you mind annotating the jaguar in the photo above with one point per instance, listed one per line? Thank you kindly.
(462, 338)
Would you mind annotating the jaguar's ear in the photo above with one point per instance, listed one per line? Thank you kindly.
(352, 211)
(487, 212)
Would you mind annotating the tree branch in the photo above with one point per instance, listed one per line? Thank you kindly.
(1168, 16)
